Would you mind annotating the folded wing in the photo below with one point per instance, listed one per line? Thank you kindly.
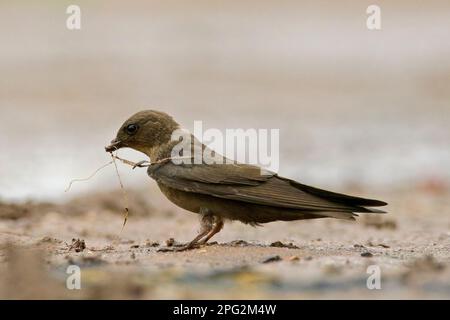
(242, 182)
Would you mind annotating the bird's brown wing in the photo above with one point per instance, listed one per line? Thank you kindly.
(242, 182)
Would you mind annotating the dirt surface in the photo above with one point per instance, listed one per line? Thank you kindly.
(319, 259)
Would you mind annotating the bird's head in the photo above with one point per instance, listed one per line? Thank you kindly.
(144, 131)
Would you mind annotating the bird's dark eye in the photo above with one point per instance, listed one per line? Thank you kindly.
(131, 129)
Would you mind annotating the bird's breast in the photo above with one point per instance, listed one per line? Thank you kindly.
(186, 200)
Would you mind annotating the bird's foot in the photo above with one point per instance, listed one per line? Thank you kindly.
(210, 226)
(182, 248)
(202, 242)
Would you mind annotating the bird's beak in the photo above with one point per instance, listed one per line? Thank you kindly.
(115, 144)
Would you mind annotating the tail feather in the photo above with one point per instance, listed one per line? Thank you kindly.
(338, 215)
(341, 198)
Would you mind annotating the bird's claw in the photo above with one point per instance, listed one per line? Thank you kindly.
(179, 248)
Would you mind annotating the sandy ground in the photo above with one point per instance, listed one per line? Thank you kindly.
(319, 259)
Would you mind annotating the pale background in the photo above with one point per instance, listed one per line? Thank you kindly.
(354, 107)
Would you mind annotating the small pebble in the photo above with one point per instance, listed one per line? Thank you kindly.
(151, 244)
(272, 259)
(170, 242)
(279, 244)
(366, 254)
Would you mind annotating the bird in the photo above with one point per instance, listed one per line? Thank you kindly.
(227, 190)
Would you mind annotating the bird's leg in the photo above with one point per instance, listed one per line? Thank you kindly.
(206, 225)
(218, 225)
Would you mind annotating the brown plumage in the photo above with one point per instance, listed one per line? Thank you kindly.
(232, 191)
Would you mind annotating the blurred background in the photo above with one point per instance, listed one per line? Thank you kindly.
(354, 106)
(359, 111)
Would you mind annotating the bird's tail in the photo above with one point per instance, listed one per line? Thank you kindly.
(357, 203)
